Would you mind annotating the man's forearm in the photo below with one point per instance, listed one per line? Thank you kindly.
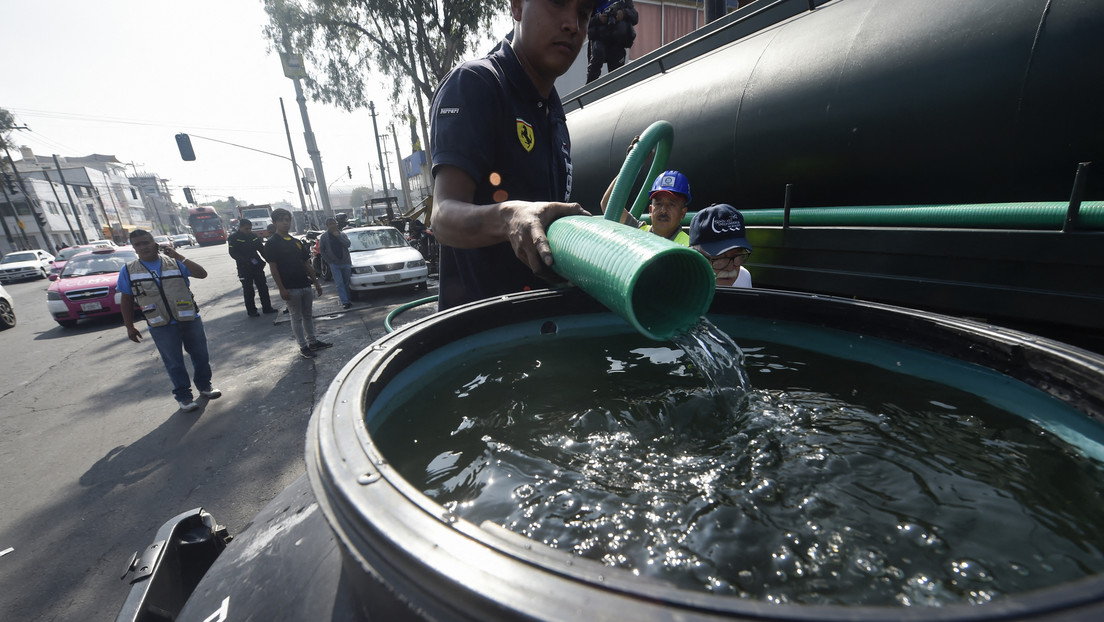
(460, 224)
(126, 302)
(275, 275)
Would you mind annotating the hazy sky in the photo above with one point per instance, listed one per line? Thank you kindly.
(122, 77)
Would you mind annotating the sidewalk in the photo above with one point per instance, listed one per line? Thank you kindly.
(353, 329)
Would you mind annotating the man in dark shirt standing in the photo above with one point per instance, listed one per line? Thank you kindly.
(247, 250)
(609, 33)
(333, 245)
(502, 155)
(289, 261)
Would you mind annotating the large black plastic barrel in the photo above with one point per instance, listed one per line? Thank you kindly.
(407, 557)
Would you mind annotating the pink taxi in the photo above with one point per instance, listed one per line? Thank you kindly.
(85, 288)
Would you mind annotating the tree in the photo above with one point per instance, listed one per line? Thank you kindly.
(359, 195)
(229, 205)
(414, 42)
(7, 124)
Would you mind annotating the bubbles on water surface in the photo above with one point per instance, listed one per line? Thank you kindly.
(809, 488)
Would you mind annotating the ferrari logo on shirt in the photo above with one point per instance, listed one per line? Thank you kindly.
(525, 135)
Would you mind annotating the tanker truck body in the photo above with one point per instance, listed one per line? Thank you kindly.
(977, 106)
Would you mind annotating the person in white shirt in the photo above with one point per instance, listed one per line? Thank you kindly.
(718, 233)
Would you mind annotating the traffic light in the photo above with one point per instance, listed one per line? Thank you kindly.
(188, 195)
(41, 218)
(184, 143)
(349, 169)
(9, 181)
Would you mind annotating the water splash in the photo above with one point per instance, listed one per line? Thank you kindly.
(721, 363)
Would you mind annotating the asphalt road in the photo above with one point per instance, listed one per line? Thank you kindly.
(95, 456)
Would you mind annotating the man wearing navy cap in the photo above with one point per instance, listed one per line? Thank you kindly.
(502, 155)
(718, 233)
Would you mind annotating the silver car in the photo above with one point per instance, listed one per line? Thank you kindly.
(382, 258)
(183, 239)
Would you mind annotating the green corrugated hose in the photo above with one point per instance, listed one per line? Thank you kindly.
(403, 307)
(659, 135)
(1042, 215)
(1023, 215)
(659, 287)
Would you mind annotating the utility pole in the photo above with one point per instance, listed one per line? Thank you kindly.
(402, 173)
(418, 99)
(32, 202)
(53, 189)
(72, 204)
(114, 208)
(379, 152)
(7, 232)
(103, 211)
(294, 166)
(147, 201)
(294, 69)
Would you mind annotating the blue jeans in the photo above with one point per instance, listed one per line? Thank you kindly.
(172, 341)
(342, 274)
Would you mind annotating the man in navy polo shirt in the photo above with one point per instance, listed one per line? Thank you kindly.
(502, 155)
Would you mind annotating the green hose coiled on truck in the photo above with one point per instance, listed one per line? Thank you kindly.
(1039, 215)
(1045, 215)
(659, 287)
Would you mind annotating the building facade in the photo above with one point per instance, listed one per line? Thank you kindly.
(104, 194)
(47, 220)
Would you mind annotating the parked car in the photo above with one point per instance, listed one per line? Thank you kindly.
(64, 254)
(163, 241)
(183, 239)
(382, 258)
(7, 309)
(20, 265)
(86, 286)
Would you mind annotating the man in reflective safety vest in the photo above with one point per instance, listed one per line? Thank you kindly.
(669, 197)
(158, 283)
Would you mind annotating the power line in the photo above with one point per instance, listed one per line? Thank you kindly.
(51, 144)
(72, 116)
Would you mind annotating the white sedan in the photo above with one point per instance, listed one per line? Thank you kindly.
(7, 309)
(382, 258)
(20, 265)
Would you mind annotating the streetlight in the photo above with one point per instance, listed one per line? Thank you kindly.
(350, 172)
(303, 173)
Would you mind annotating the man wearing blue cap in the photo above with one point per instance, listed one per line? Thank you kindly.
(669, 197)
(718, 232)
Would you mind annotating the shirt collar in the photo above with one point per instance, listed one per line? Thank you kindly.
(506, 58)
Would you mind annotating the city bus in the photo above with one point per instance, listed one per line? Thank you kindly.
(206, 225)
